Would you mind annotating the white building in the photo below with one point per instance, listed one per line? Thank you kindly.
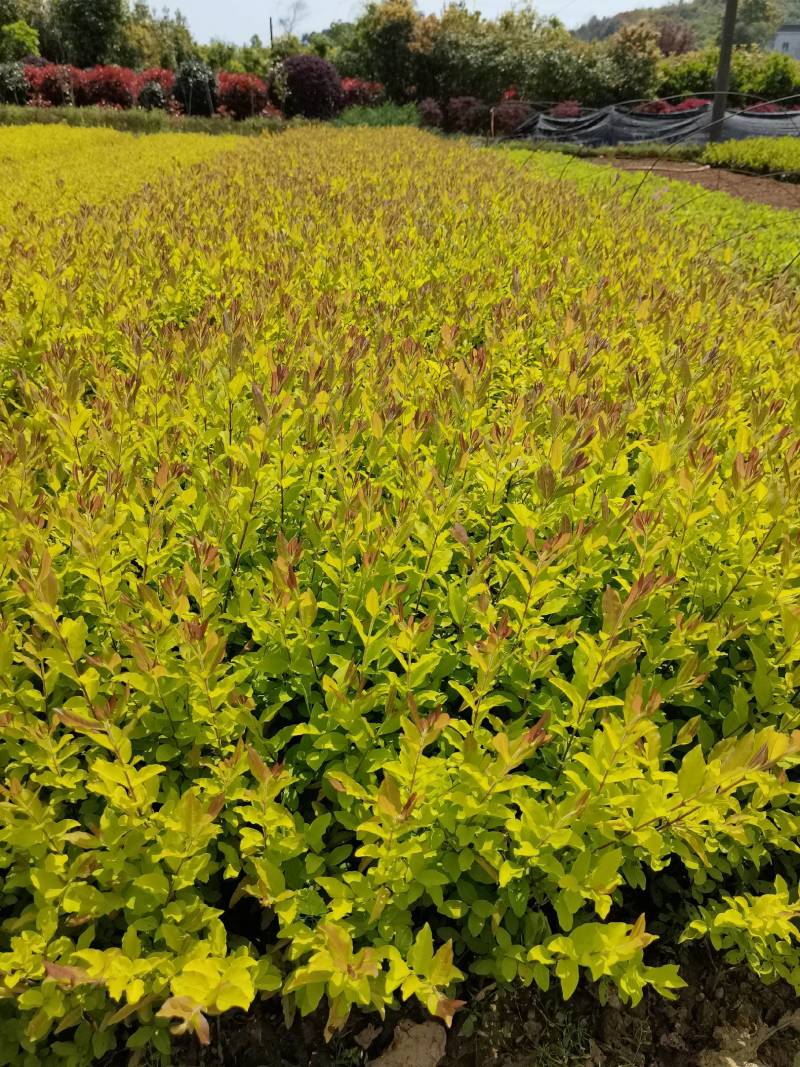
(787, 40)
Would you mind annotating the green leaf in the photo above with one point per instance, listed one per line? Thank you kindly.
(692, 773)
(372, 603)
(567, 972)
(420, 958)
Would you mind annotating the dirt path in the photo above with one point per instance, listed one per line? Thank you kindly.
(749, 187)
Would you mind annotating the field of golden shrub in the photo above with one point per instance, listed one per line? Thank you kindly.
(398, 589)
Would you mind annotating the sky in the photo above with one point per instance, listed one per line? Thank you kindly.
(238, 20)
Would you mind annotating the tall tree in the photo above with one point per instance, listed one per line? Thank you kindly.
(39, 15)
(91, 30)
(384, 45)
(675, 37)
(150, 39)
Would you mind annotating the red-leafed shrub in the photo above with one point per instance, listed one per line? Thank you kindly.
(511, 93)
(241, 95)
(165, 78)
(509, 115)
(361, 93)
(107, 86)
(692, 102)
(567, 109)
(430, 114)
(308, 86)
(764, 108)
(53, 85)
(664, 107)
(655, 107)
(153, 88)
(478, 119)
(461, 114)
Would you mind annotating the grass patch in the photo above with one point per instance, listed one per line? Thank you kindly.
(383, 115)
(135, 120)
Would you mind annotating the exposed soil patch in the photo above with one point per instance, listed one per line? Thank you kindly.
(725, 1018)
(747, 186)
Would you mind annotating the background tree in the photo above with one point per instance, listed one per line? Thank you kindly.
(331, 42)
(462, 54)
(39, 15)
(91, 30)
(675, 37)
(634, 53)
(18, 40)
(222, 55)
(383, 45)
(755, 22)
(155, 40)
(599, 28)
(292, 16)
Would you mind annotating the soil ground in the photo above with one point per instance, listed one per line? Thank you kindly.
(769, 191)
(725, 1018)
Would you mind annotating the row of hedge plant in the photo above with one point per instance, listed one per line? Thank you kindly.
(140, 121)
(301, 85)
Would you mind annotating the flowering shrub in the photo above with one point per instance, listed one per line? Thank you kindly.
(358, 93)
(242, 95)
(13, 84)
(151, 96)
(195, 88)
(309, 86)
(53, 84)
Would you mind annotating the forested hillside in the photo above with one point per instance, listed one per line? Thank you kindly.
(697, 24)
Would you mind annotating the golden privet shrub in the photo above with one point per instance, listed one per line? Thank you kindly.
(398, 582)
(47, 171)
(765, 154)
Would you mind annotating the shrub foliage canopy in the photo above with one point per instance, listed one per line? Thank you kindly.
(772, 155)
(398, 580)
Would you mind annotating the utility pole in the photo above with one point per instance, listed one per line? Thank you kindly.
(723, 81)
(270, 32)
